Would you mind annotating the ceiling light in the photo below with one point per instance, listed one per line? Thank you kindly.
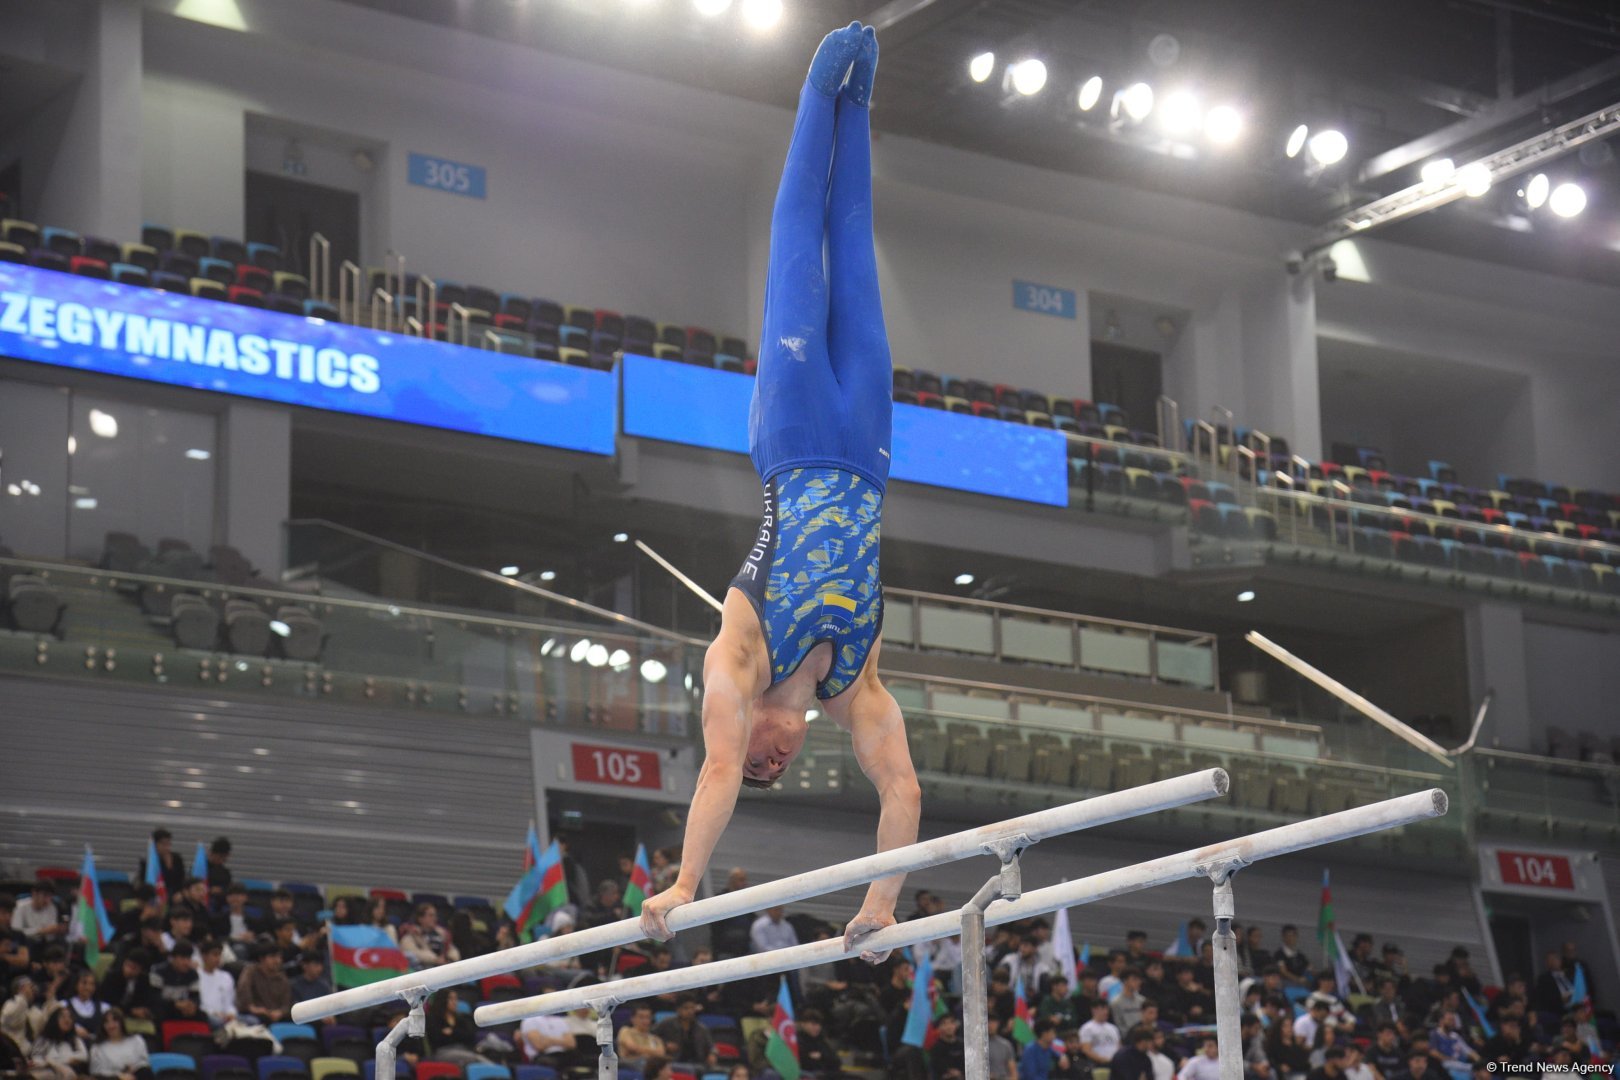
(13, 489)
(509, 571)
(548, 575)
(1028, 76)
(198, 455)
(1245, 596)
(1090, 92)
(1327, 147)
(619, 658)
(653, 671)
(581, 647)
(982, 66)
(1137, 101)
(711, 8)
(1223, 125)
(1567, 200)
(73, 445)
(1438, 171)
(281, 629)
(551, 643)
(762, 14)
(1296, 141)
(104, 424)
(90, 503)
(596, 655)
(1180, 114)
(619, 538)
(1474, 178)
(1535, 192)
(964, 579)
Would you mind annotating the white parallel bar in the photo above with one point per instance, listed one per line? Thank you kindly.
(1071, 817)
(1224, 857)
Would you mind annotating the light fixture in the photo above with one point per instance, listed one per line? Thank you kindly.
(1245, 596)
(104, 424)
(619, 658)
(1180, 114)
(1090, 93)
(981, 67)
(581, 647)
(1223, 125)
(711, 8)
(198, 455)
(762, 14)
(621, 537)
(1535, 191)
(964, 579)
(1474, 179)
(551, 643)
(653, 671)
(1567, 200)
(509, 571)
(89, 503)
(548, 575)
(1328, 147)
(1029, 76)
(281, 629)
(1136, 100)
(1439, 171)
(1296, 141)
(73, 445)
(13, 489)
(812, 714)
(596, 655)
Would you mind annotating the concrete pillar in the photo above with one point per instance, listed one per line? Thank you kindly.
(1204, 369)
(95, 174)
(255, 479)
(1279, 360)
(35, 422)
(1497, 660)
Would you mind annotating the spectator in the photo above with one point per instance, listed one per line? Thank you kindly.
(1387, 1056)
(691, 1040)
(170, 867)
(1355, 1065)
(1136, 954)
(1449, 1041)
(13, 944)
(1252, 955)
(1041, 1057)
(1554, 987)
(176, 983)
(52, 974)
(285, 942)
(1204, 1065)
(1163, 1067)
(637, 1043)
(1462, 973)
(1255, 1065)
(118, 1055)
(127, 924)
(665, 868)
(772, 931)
(1127, 1005)
(378, 917)
(128, 987)
(1573, 964)
(1289, 1056)
(58, 1053)
(263, 989)
(22, 1016)
(87, 1009)
(425, 941)
(1291, 963)
(193, 899)
(1189, 1000)
(1099, 1038)
(1327, 991)
(1196, 933)
(1003, 1054)
(1418, 1067)
(574, 876)
(658, 1069)
(1059, 1007)
(1387, 1008)
(311, 981)
(1315, 1018)
(216, 989)
(1153, 984)
(450, 1034)
(1392, 965)
(1332, 1067)
(183, 926)
(281, 909)
(608, 906)
(1133, 1061)
(1025, 967)
(546, 1038)
(1424, 994)
(947, 1057)
(219, 874)
(818, 1058)
(730, 936)
(232, 923)
(1114, 981)
(1507, 1046)
(40, 920)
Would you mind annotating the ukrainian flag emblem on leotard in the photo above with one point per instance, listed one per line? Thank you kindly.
(838, 610)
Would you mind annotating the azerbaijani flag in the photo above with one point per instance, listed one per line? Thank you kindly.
(550, 893)
(1023, 1028)
(636, 892)
(1182, 946)
(1325, 921)
(199, 864)
(90, 919)
(364, 954)
(154, 873)
(523, 893)
(782, 1045)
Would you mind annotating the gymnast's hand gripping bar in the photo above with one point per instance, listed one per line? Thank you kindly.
(1026, 830)
(1215, 860)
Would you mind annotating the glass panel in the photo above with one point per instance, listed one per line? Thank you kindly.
(1031, 639)
(957, 629)
(1191, 664)
(1106, 650)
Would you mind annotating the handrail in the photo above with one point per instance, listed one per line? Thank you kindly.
(1019, 832)
(1218, 861)
(1548, 760)
(1194, 636)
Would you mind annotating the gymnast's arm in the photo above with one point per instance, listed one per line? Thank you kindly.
(878, 732)
(730, 672)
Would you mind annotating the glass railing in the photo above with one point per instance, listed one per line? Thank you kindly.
(1552, 800)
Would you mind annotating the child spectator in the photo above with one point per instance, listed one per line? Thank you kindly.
(118, 1055)
(216, 988)
(311, 981)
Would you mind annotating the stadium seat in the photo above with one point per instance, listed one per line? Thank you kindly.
(174, 1029)
(25, 234)
(12, 253)
(227, 1067)
(64, 242)
(129, 274)
(436, 1070)
(46, 259)
(265, 256)
(323, 1067)
(488, 1072)
(192, 243)
(170, 1066)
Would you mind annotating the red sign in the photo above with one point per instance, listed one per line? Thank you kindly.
(616, 766)
(1535, 870)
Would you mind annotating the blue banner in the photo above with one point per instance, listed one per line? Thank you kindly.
(456, 177)
(698, 406)
(50, 317)
(1045, 299)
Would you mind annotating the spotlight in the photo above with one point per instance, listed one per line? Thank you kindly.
(1090, 92)
(653, 670)
(1328, 147)
(711, 8)
(964, 579)
(1535, 192)
(762, 14)
(620, 658)
(596, 655)
(1567, 200)
(1439, 171)
(509, 571)
(1245, 596)
(1029, 76)
(1137, 101)
(1223, 125)
(621, 538)
(581, 647)
(1296, 141)
(1474, 178)
(982, 66)
(1180, 114)
(279, 628)
(104, 424)
(548, 575)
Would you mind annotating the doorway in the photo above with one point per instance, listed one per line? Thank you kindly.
(1131, 379)
(287, 212)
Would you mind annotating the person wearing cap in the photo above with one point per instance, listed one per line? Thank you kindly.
(216, 988)
(264, 990)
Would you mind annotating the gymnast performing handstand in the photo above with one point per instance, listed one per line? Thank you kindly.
(802, 618)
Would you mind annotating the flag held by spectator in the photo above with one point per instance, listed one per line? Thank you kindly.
(364, 954)
(1023, 1025)
(920, 1013)
(640, 884)
(1325, 919)
(540, 892)
(154, 873)
(90, 920)
(1577, 987)
(1182, 946)
(199, 864)
(782, 1045)
(1479, 1012)
(1063, 948)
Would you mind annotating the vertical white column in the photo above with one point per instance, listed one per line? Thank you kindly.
(1497, 660)
(255, 482)
(1280, 372)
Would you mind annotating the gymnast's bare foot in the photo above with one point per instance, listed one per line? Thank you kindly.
(864, 70)
(833, 58)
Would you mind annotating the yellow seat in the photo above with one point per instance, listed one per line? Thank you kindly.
(1115, 433)
(1444, 508)
(1498, 498)
(207, 287)
(1354, 475)
(335, 891)
(958, 404)
(576, 357)
(322, 1067)
(193, 243)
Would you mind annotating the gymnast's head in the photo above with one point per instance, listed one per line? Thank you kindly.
(775, 737)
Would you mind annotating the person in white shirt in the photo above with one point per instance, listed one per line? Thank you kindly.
(1025, 966)
(1163, 1067)
(119, 1055)
(1204, 1065)
(1305, 1026)
(39, 920)
(1355, 1068)
(772, 931)
(545, 1037)
(1099, 1038)
(216, 987)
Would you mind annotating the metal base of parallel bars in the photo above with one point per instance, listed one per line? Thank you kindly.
(413, 1026)
(1008, 884)
(607, 1062)
(1228, 1006)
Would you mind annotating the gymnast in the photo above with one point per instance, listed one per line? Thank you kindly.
(802, 617)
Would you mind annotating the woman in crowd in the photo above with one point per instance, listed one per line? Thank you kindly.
(425, 941)
(119, 1055)
(1288, 1056)
(451, 1034)
(379, 918)
(87, 1009)
(22, 1015)
(58, 1053)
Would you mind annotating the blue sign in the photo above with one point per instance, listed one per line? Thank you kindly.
(1045, 299)
(443, 175)
(50, 317)
(696, 406)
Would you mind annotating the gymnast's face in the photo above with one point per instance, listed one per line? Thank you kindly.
(774, 740)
